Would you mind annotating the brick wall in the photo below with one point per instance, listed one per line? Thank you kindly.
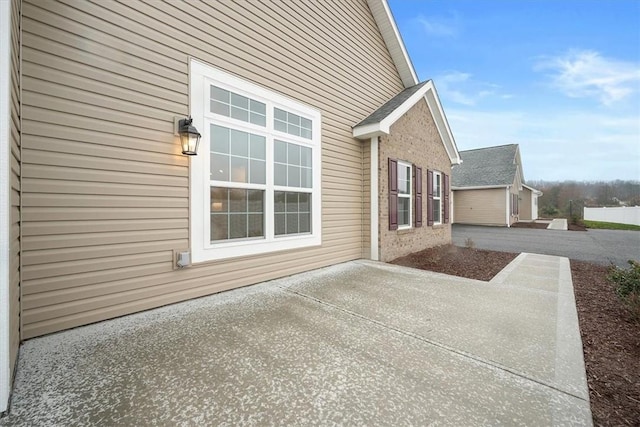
(414, 138)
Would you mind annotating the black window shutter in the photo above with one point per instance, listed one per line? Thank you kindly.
(417, 180)
(393, 194)
(429, 197)
(446, 198)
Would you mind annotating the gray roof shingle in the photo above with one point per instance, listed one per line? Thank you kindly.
(491, 166)
(389, 107)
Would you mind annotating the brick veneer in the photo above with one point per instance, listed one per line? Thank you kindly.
(414, 138)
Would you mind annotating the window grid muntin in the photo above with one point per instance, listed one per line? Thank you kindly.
(291, 123)
(236, 105)
(292, 210)
(405, 181)
(256, 157)
(286, 164)
(437, 198)
(247, 212)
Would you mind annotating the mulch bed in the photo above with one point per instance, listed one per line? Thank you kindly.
(610, 338)
(456, 261)
(611, 342)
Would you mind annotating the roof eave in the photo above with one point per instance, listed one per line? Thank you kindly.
(392, 38)
(479, 187)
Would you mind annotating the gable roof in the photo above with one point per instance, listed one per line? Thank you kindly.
(379, 122)
(488, 167)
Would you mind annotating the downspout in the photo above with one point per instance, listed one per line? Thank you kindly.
(374, 197)
(5, 205)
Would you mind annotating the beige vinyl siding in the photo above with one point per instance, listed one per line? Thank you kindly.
(525, 204)
(14, 215)
(484, 206)
(105, 188)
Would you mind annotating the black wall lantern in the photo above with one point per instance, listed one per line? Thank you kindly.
(189, 136)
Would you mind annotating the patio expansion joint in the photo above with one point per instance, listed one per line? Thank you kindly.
(476, 359)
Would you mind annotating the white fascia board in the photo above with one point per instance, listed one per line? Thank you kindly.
(369, 131)
(437, 112)
(507, 205)
(535, 191)
(480, 187)
(5, 204)
(391, 36)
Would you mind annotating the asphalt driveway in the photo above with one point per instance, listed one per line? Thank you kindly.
(599, 246)
(360, 343)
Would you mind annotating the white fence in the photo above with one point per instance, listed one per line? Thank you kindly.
(622, 215)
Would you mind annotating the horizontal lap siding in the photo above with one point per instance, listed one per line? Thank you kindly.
(105, 188)
(14, 215)
(486, 207)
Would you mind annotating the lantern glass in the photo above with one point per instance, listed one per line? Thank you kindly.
(189, 137)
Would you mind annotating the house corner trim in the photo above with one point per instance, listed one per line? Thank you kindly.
(374, 208)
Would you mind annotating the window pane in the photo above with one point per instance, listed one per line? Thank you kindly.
(256, 227)
(258, 107)
(305, 156)
(237, 226)
(436, 211)
(293, 151)
(292, 202)
(436, 185)
(280, 126)
(280, 174)
(258, 172)
(280, 152)
(219, 227)
(220, 94)
(293, 130)
(280, 224)
(258, 119)
(219, 200)
(403, 210)
(304, 202)
(292, 223)
(239, 113)
(219, 139)
(237, 200)
(305, 123)
(257, 147)
(306, 178)
(256, 202)
(293, 176)
(219, 108)
(305, 223)
(219, 167)
(239, 143)
(280, 114)
(293, 119)
(239, 169)
(279, 201)
(239, 101)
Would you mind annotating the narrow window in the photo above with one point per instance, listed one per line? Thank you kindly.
(437, 198)
(404, 195)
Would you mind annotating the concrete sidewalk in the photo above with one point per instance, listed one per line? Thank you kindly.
(558, 224)
(361, 343)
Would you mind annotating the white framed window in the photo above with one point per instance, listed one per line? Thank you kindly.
(255, 183)
(437, 197)
(405, 197)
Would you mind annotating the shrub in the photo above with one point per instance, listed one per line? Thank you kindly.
(627, 283)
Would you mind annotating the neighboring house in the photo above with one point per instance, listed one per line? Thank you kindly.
(319, 146)
(528, 203)
(487, 185)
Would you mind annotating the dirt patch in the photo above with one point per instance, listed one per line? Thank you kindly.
(577, 227)
(610, 338)
(464, 262)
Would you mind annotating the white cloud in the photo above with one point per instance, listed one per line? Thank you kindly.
(557, 145)
(582, 74)
(439, 27)
(462, 89)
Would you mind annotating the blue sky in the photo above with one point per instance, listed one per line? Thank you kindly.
(560, 78)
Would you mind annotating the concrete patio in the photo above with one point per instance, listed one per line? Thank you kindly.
(360, 343)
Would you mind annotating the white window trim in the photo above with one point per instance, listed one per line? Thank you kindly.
(202, 249)
(406, 196)
(5, 205)
(437, 176)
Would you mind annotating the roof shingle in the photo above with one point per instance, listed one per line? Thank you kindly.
(491, 166)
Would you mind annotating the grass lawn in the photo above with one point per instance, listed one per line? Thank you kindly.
(610, 225)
